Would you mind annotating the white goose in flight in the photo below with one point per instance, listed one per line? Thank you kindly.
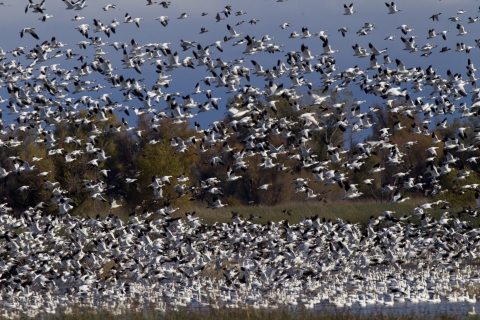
(218, 204)
(349, 9)
(109, 6)
(31, 31)
(375, 51)
(36, 7)
(3, 173)
(184, 15)
(343, 31)
(45, 17)
(233, 33)
(163, 20)
(71, 5)
(351, 191)
(327, 49)
(306, 33)
(392, 7)
(461, 30)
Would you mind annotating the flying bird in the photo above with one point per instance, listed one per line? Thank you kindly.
(31, 31)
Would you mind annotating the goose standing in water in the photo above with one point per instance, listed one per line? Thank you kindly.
(472, 312)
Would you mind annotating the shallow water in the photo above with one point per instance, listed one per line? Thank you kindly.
(423, 309)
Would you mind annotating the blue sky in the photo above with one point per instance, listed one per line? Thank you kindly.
(315, 15)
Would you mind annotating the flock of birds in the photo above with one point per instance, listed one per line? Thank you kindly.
(49, 262)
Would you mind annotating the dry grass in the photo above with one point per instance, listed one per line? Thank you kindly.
(354, 211)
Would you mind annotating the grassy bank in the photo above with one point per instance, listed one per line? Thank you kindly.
(352, 211)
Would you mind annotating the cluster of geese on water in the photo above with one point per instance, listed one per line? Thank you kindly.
(50, 262)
